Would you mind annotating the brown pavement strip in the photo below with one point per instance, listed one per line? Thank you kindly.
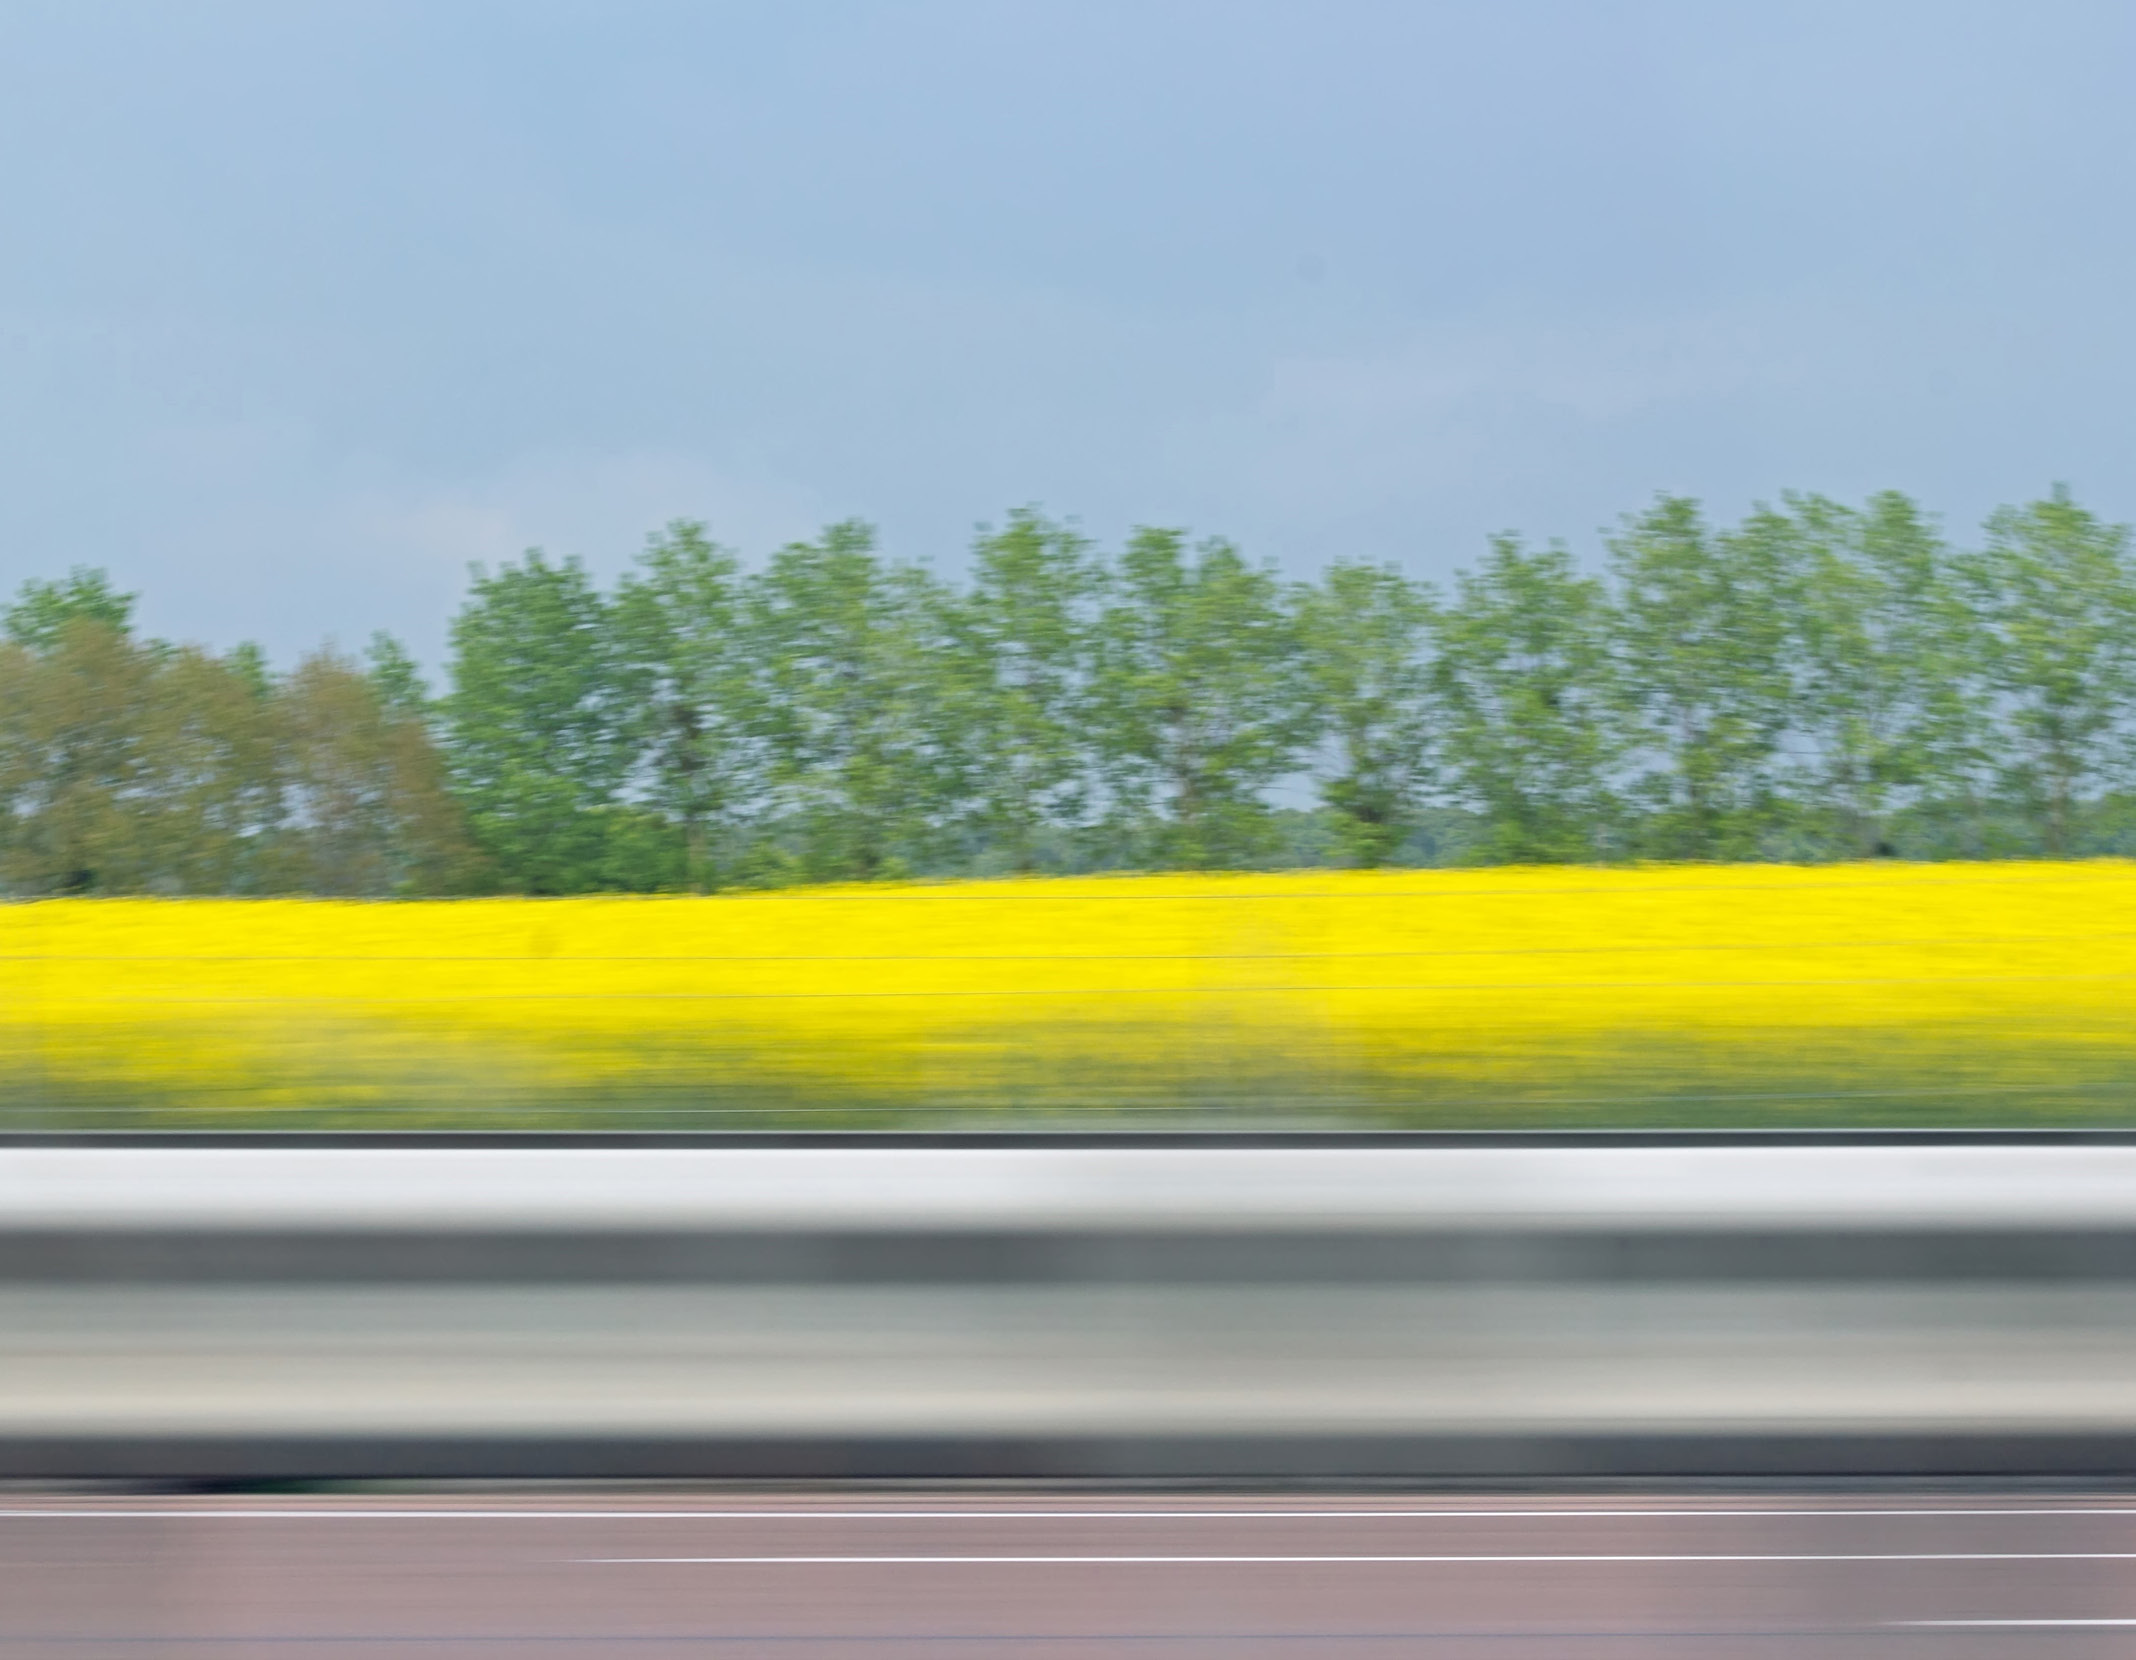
(1069, 1575)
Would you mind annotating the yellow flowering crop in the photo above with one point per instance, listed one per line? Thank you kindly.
(1708, 994)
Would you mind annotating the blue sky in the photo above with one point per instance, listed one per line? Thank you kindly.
(303, 306)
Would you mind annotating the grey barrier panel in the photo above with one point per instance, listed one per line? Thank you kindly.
(2063, 1458)
(2004, 1267)
(1038, 1257)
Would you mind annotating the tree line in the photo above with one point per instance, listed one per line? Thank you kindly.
(1818, 681)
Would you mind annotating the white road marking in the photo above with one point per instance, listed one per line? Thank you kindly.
(2001, 1625)
(366, 1514)
(1176, 1561)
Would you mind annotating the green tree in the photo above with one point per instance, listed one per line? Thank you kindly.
(1530, 727)
(1365, 637)
(213, 796)
(130, 767)
(74, 759)
(2054, 596)
(42, 611)
(842, 696)
(1700, 627)
(1018, 691)
(679, 628)
(396, 679)
(369, 811)
(538, 732)
(1884, 705)
(1197, 698)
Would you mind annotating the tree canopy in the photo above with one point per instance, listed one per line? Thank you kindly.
(1817, 681)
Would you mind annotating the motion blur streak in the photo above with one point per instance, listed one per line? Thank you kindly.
(284, 1313)
(1706, 995)
(1032, 1572)
(1184, 1324)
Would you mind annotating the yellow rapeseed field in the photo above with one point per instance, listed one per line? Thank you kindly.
(1708, 994)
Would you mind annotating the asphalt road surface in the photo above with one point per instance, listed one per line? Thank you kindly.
(990, 1573)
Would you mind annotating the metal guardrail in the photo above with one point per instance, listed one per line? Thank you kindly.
(1407, 1309)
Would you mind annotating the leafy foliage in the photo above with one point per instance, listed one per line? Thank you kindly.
(1817, 681)
(1882, 703)
(43, 612)
(1196, 703)
(1525, 678)
(2054, 598)
(538, 726)
(1364, 638)
(680, 651)
(842, 689)
(1699, 630)
(1019, 685)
